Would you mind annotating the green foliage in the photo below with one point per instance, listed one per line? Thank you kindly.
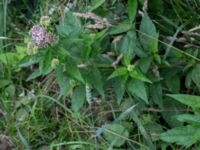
(187, 138)
(113, 74)
(115, 129)
(185, 135)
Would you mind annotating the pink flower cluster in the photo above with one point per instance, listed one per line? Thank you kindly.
(39, 36)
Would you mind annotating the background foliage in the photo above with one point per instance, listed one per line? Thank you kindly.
(124, 75)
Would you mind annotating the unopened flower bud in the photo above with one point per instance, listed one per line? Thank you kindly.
(31, 49)
(45, 21)
(52, 39)
(130, 67)
(54, 63)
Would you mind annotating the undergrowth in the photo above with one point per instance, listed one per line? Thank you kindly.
(99, 74)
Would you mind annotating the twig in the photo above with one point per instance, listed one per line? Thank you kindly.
(145, 6)
(100, 22)
(164, 110)
(7, 38)
(119, 58)
(195, 28)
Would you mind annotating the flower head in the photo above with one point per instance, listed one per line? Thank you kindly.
(39, 36)
(52, 38)
(45, 21)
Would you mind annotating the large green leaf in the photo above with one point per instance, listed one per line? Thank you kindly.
(45, 64)
(78, 98)
(4, 83)
(96, 4)
(34, 75)
(72, 69)
(132, 9)
(71, 26)
(196, 75)
(148, 35)
(129, 44)
(65, 84)
(121, 71)
(189, 118)
(174, 108)
(156, 93)
(29, 60)
(96, 80)
(145, 63)
(185, 135)
(139, 75)
(190, 100)
(138, 88)
(115, 129)
(119, 88)
(9, 58)
(173, 84)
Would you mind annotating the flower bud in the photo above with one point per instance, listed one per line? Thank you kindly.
(31, 49)
(130, 68)
(54, 63)
(45, 21)
(52, 38)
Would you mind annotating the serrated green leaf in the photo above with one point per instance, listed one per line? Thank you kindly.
(145, 63)
(70, 27)
(21, 49)
(168, 116)
(156, 94)
(45, 65)
(78, 98)
(173, 84)
(157, 58)
(190, 100)
(138, 75)
(121, 71)
(10, 90)
(132, 9)
(73, 70)
(65, 84)
(4, 83)
(185, 135)
(129, 44)
(8, 58)
(34, 75)
(112, 138)
(29, 60)
(196, 75)
(189, 118)
(138, 88)
(113, 2)
(148, 35)
(96, 4)
(95, 79)
(119, 88)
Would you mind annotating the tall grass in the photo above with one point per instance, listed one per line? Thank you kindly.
(3, 14)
